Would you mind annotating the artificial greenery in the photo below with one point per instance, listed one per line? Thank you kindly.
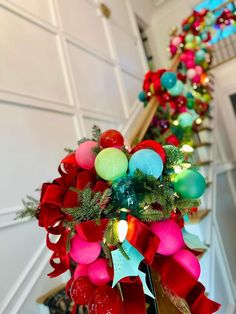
(30, 209)
(91, 205)
(173, 156)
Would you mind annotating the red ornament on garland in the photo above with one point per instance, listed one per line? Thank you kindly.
(82, 290)
(172, 140)
(111, 138)
(150, 144)
(105, 300)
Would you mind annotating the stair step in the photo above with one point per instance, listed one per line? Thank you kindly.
(195, 218)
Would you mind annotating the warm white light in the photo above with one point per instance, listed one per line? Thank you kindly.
(149, 94)
(198, 121)
(187, 148)
(186, 165)
(122, 230)
(177, 169)
(176, 122)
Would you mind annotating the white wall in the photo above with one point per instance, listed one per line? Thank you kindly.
(64, 67)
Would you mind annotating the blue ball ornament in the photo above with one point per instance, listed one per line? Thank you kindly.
(147, 161)
(177, 89)
(142, 96)
(185, 120)
(168, 79)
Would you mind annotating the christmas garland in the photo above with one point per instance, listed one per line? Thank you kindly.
(184, 96)
(113, 210)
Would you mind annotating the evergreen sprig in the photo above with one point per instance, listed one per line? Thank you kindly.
(91, 204)
(96, 132)
(30, 209)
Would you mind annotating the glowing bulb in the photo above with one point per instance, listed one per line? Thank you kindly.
(186, 165)
(187, 148)
(177, 169)
(122, 230)
(176, 122)
(198, 121)
(149, 94)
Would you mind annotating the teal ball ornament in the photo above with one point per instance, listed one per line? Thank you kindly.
(147, 161)
(177, 89)
(185, 120)
(168, 79)
(189, 184)
(124, 193)
(200, 56)
(142, 96)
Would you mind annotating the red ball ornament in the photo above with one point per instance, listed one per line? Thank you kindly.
(111, 138)
(82, 290)
(150, 144)
(105, 300)
(181, 101)
(165, 97)
(172, 140)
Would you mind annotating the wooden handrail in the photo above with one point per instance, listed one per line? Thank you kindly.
(143, 122)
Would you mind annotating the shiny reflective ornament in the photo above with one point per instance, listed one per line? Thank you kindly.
(111, 163)
(189, 184)
(106, 300)
(147, 161)
(168, 79)
(123, 193)
(81, 290)
(111, 138)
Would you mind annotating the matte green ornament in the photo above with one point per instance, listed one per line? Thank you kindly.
(189, 184)
(185, 120)
(111, 163)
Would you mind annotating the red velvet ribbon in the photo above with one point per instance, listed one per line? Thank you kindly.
(181, 282)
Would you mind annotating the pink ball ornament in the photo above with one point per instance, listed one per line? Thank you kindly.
(84, 252)
(85, 156)
(173, 49)
(191, 73)
(98, 272)
(190, 64)
(81, 271)
(188, 261)
(176, 41)
(170, 235)
(198, 69)
(196, 79)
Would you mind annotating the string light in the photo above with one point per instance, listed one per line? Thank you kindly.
(176, 122)
(198, 121)
(187, 148)
(122, 227)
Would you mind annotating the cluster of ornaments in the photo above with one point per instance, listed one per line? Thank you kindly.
(116, 165)
(183, 96)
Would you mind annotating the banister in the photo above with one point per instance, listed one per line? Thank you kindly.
(145, 118)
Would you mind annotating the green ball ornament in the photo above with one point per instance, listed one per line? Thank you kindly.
(189, 184)
(189, 38)
(190, 103)
(190, 45)
(200, 56)
(185, 120)
(111, 163)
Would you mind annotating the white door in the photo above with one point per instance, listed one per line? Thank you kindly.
(63, 68)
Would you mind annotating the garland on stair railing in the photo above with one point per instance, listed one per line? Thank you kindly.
(115, 209)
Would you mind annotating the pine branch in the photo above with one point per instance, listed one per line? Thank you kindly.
(69, 150)
(183, 204)
(151, 216)
(96, 132)
(82, 140)
(92, 205)
(30, 209)
(174, 156)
